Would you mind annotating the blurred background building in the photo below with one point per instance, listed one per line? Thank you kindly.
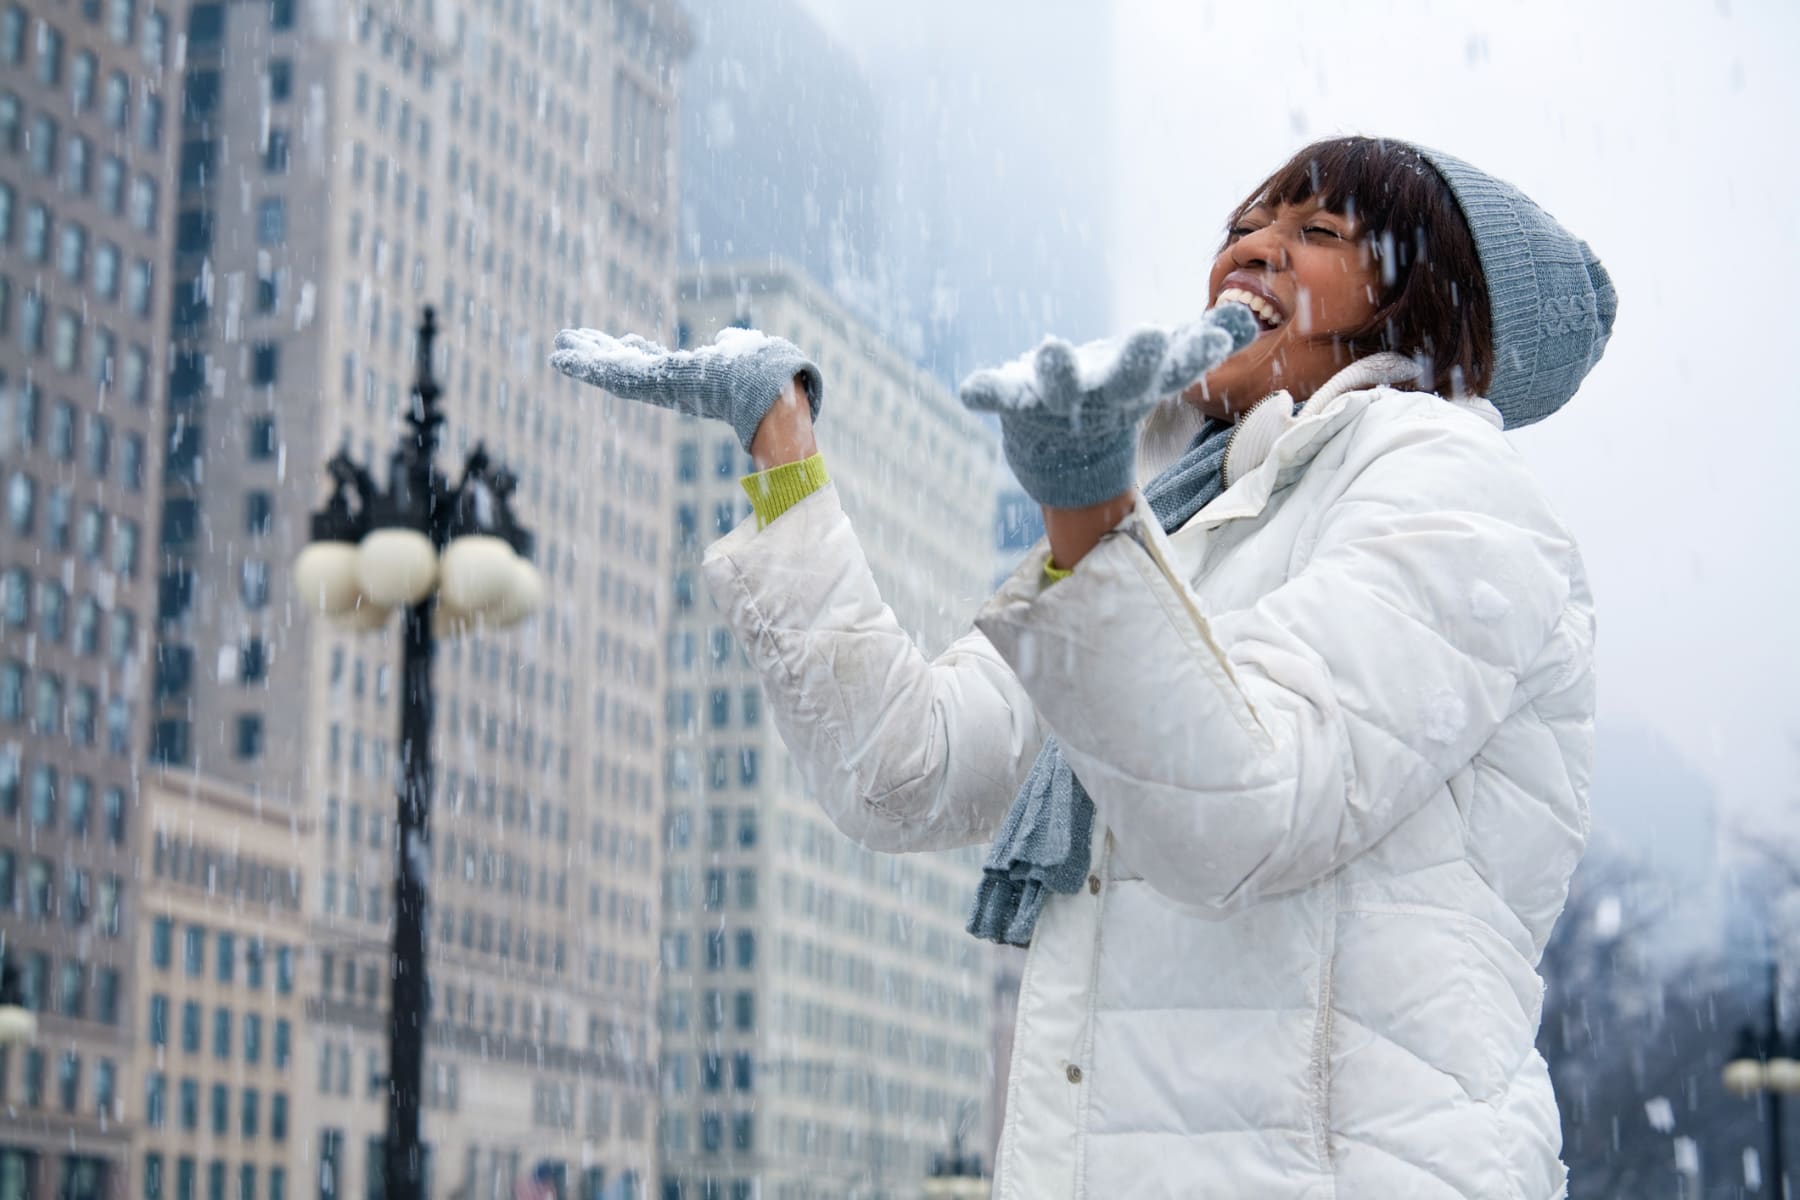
(826, 1018)
(88, 99)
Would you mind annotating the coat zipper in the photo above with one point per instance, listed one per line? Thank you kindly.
(1237, 428)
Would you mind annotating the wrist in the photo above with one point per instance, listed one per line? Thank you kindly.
(785, 434)
(1075, 531)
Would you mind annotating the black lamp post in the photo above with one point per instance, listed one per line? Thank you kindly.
(1763, 1061)
(451, 556)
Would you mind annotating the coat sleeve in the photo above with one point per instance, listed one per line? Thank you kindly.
(1242, 753)
(902, 752)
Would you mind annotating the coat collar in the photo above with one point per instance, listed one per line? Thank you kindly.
(1273, 431)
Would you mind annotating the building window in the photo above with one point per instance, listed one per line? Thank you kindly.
(106, 996)
(259, 513)
(253, 661)
(137, 288)
(275, 154)
(254, 584)
(265, 364)
(143, 203)
(249, 736)
(262, 443)
(271, 222)
(156, 1099)
(193, 951)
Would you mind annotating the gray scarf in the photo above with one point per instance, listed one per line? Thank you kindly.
(1044, 844)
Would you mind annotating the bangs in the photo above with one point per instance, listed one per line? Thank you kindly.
(1364, 179)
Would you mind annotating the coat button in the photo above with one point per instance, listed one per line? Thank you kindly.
(1074, 1073)
(1094, 884)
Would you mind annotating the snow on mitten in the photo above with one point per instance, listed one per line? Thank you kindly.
(736, 379)
(1069, 415)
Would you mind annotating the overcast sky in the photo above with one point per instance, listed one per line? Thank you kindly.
(1664, 133)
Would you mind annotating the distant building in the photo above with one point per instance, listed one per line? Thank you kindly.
(782, 150)
(89, 104)
(826, 1020)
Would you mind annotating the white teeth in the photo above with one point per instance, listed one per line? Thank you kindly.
(1270, 315)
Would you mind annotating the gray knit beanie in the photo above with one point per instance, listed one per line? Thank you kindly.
(1553, 303)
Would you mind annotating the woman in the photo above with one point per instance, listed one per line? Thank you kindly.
(1283, 754)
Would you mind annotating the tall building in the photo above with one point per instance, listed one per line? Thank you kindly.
(222, 1010)
(87, 113)
(781, 146)
(825, 1017)
(340, 166)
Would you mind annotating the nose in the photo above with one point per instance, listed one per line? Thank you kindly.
(1261, 248)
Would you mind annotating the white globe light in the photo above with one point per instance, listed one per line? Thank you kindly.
(475, 573)
(17, 1024)
(1743, 1076)
(364, 617)
(523, 595)
(396, 567)
(1782, 1075)
(325, 577)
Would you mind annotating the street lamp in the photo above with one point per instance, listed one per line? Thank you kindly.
(1763, 1061)
(451, 557)
(17, 1022)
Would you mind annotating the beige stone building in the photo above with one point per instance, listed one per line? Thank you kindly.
(87, 118)
(825, 1018)
(220, 1012)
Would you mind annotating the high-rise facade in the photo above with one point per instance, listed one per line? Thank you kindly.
(339, 167)
(825, 1018)
(87, 112)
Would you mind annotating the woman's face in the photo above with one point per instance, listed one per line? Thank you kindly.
(1309, 277)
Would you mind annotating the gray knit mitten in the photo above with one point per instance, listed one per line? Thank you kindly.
(1069, 415)
(737, 379)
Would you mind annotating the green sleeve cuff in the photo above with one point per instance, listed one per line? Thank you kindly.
(1052, 572)
(778, 489)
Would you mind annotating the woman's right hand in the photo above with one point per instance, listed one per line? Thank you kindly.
(737, 379)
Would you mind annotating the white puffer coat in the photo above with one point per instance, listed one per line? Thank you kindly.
(1338, 730)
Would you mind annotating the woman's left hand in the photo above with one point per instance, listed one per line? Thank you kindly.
(1069, 415)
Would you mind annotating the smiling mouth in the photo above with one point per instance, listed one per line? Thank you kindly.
(1267, 315)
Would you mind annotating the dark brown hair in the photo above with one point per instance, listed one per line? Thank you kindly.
(1434, 302)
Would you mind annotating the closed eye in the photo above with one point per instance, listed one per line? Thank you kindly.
(1330, 233)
